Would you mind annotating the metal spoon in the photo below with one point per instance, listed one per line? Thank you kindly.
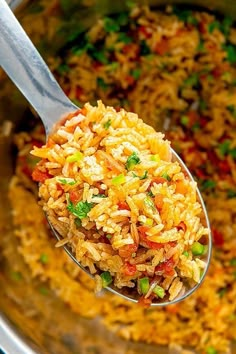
(24, 65)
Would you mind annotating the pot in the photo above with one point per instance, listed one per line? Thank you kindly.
(24, 325)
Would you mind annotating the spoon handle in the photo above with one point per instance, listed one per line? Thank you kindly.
(26, 68)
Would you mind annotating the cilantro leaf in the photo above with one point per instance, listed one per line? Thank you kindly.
(231, 53)
(107, 124)
(110, 25)
(80, 210)
(132, 160)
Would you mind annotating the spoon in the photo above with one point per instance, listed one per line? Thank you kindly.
(26, 68)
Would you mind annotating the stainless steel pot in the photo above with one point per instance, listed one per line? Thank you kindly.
(18, 319)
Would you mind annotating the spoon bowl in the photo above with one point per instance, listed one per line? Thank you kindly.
(24, 65)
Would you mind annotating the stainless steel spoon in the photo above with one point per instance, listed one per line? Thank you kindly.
(24, 65)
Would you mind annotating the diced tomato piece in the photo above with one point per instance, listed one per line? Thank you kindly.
(75, 196)
(132, 50)
(123, 206)
(143, 229)
(193, 117)
(203, 122)
(144, 302)
(224, 166)
(59, 187)
(97, 65)
(159, 201)
(145, 31)
(79, 92)
(182, 226)
(216, 72)
(202, 27)
(127, 250)
(218, 238)
(162, 47)
(37, 143)
(40, 176)
(130, 80)
(129, 269)
(166, 267)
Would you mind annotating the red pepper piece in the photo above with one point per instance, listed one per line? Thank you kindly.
(127, 250)
(129, 269)
(218, 238)
(166, 267)
(40, 176)
(123, 206)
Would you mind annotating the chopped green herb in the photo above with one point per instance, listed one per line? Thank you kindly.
(144, 176)
(111, 25)
(231, 193)
(109, 236)
(159, 291)
(166, 176)
(195, 127)
(149, 203)
(184, 120)
(82, 48)
(197, 249)
(123, 18)
(200, 47)
(207, 184)
(233, 262)
(63, 68)
(76, 157)
(124, 38)
(99, 196)
(43, 290)
(186, 254)
(231, 53)
(113, 66)
(78, 222)
(211, 350)
(226, 76)
(222, 292)
(144, 285)
(69, 181)
(107, 124)
(210, 77)
(132, 160)
(101, 83)
(100, 56)
(136, 73)
(80, 210)
(44, 258)
(224, 147)
(192, 80)
(120, 179)
(214, 25)
(202, 105)
(155, 158)
(17, 276)
(150, 194)
(232, 109)
(144, 48)
(106, 279)
(35, 8)
(226, 24)
(185, 16)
